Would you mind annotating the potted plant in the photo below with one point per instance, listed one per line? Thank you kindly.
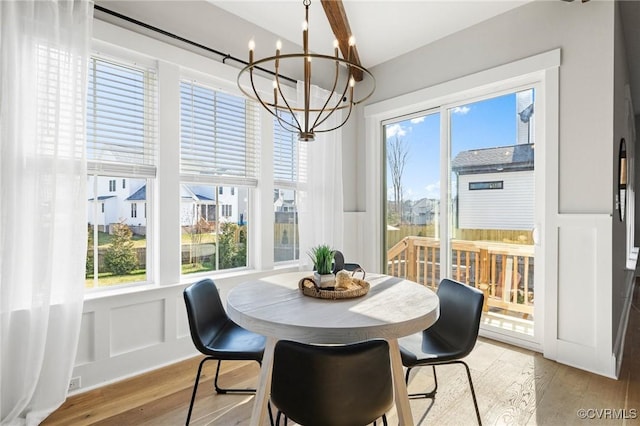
(322, 258)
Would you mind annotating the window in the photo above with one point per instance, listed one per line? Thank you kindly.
(286, 168)
(218, 148)
(120, 145)
(496, 184)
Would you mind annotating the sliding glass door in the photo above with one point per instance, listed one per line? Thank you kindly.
(460, 203)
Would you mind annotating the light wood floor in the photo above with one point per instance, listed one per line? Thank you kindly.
(514, 387)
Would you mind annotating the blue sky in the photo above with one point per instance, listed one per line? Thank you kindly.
(483, 124)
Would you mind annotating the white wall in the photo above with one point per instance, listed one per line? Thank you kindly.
(580, 161)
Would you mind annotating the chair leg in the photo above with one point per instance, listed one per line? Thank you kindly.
(195, 388)
(431, 393)
(227, 390)
(280, 413)
(473, 392)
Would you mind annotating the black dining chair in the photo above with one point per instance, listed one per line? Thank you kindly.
(337, 385)
(450, 339)
(339, 264)
(216, 336)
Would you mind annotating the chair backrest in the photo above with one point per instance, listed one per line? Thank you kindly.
(332, 385)
(460, 312)
(339, 263)
(205, 312)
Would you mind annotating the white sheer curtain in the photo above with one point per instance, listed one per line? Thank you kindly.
(320, 203)
(43, 224)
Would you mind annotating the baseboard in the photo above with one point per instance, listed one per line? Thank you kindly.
(618, 347)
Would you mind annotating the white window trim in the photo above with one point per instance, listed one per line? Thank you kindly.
(540, 71)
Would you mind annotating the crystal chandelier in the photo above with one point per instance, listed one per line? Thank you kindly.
(311, 117)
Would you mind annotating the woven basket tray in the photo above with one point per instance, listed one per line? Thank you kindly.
(309, 289)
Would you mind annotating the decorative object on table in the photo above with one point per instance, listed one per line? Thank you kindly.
(322, 257)
(352, 83)
(354, 287)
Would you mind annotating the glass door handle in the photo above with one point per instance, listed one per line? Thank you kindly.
(535, 234)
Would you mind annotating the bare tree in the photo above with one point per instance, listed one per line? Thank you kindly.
(397, 152)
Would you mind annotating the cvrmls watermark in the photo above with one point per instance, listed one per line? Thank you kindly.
(607, 413)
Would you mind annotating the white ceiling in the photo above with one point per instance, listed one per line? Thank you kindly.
(383, 29)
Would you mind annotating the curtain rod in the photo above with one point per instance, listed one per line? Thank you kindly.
(225, 56)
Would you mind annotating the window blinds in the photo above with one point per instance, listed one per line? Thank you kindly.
(285, 156)
(121, 111)
(218, 137)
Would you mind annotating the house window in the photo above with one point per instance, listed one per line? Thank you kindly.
(496, 184)
(218, 147)
(120, 141)
(287, 161)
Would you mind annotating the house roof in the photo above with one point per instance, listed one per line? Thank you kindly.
(103, 197)
(497, 159)
(139, 195)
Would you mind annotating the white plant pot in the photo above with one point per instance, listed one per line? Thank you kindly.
(324, 280)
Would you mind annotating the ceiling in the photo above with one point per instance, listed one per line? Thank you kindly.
(383, 29)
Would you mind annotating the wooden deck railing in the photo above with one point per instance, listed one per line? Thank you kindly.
(504, 272)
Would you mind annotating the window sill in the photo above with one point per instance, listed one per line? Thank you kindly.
(233, 277)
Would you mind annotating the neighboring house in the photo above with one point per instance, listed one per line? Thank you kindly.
(495, 188)
(199, 202)
(419, 212)
(283, 201)
(120, 200)
(124, 201)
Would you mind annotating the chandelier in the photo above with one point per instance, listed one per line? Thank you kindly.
(311, 117)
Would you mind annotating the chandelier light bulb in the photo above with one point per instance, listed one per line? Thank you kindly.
(305, 25)
(278, 45)
(252, 44)
(352, 41)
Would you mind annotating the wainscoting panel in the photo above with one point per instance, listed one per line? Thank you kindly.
(136, 326)
(584, 286)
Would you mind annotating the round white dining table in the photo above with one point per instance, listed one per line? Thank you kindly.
(275, 307)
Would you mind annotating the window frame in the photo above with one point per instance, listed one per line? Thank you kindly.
(174, 64)
(98, 168)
